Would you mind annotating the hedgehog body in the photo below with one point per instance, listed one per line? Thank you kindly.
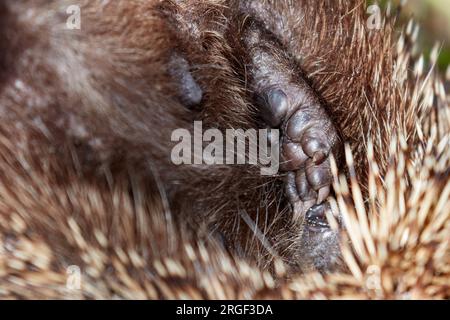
(90, 206)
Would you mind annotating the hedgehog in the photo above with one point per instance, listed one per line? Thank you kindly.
(396, 248)
(116, 97)
(92, 209)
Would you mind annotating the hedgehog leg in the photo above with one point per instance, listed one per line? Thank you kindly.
(287, 102)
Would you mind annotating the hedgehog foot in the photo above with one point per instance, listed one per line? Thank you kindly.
(308, 138)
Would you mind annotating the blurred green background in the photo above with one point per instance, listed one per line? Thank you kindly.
(434, 19)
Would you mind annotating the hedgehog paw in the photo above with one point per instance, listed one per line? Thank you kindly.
(308, 138)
